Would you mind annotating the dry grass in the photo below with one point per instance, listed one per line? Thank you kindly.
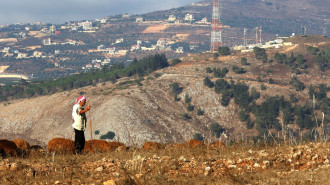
(175, 164)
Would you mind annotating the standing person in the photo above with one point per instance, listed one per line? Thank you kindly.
(79, 124)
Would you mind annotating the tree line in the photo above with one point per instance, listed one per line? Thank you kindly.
(137, 67)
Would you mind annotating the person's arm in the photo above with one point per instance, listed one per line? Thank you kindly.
(85, 110)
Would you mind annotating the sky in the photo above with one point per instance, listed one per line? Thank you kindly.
(61, 11)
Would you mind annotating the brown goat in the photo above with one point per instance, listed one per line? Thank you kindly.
(60, 145)
(114, 145)
(193, 143)
(96, 146)
(22, 145)
(8, 148)
(152, 146)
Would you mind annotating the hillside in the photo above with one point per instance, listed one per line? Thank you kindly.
(139, 113)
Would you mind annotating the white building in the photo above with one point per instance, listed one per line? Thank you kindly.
(47, 41)
(119, 40)
(37, 54)
(139, 19)
(161, 43)
(112, 50)
(179, 50)
(171, 18)
(189, 17)
(22, 55)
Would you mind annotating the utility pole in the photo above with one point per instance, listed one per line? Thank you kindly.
(216, 37)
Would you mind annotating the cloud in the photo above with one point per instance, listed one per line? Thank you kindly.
(60, 11)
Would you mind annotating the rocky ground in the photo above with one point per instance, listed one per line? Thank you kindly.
(176, 164)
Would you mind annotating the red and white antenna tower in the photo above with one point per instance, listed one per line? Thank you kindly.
(216, 38)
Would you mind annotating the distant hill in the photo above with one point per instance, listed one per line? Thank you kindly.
(264, 96)
(281, 17)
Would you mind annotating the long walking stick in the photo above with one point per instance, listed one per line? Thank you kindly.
(90, 125)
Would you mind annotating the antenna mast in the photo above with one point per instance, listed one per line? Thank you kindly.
(216, 38)
(245, 41)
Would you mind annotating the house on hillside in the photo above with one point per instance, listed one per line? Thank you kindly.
(47, 41)
(97, 66)
(112, 50)
(37, 54)
(179, 50)
(120, 40)
(161, 43)
(89, 66)
(189, 17)
(139, 19)
(171, 18)
(6, 49)
(135, 47)
(22, 55)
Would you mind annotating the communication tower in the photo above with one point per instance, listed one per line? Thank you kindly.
(245, 40)
(256, 34)
(260, 30)
(216, 38)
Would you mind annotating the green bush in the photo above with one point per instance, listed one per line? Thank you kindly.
(216, 129)
(244, 61)
(198, 136)
(208, 82)
(190, 107)
(208, 70)
(175, 61)
(97, 132)
(200, 112)
(185, 116)
(187, 98)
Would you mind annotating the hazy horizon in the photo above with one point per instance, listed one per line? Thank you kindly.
(61, 11)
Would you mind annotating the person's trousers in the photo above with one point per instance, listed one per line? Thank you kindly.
(79, 141)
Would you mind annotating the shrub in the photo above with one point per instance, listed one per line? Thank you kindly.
(198, 136)
(208, 82)
(157, 75)
(97, 132)
(224, 51)
(185, 116)
(200, 112)
(175, 88)
(187, 99)
(190, 107)
(244, 61)
(208, 70)
(216, 129)
(175, 61)
(263, 87)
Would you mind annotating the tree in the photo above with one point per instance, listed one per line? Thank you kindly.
(190, 107)
(187, 98)
(175, 61)
(200, 111)
(208, 70)
(224, 51)
(208, 82)
(244, 61)
(260, 54)
(198, 136)
(216, 129)
(175, 89)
